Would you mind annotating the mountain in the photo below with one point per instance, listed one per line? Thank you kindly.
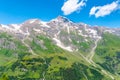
(59, 50)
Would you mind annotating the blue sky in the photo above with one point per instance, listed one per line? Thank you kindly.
(93, 12)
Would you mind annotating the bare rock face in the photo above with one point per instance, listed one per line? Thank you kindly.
(61, 31)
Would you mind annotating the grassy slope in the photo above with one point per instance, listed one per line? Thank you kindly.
(53, 63)
(108, 53)
(55, 67)
(10, 54)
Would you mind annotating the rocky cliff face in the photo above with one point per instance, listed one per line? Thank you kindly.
(61, 30)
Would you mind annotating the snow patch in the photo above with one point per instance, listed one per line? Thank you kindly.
(4, 26)
(27, 32)
(83, 35)
(92, 31)
(110, 31)
(32, 21)
(59, 43)
(70, 40)
(86, 40)
(44, 24)
(68, 29)
(15, 26)
(58, 33)
(37, 30)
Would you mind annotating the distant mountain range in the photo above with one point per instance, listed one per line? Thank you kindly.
(59, 50)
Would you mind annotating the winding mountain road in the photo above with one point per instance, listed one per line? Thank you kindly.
(90, 57)
(90, 61)
(92, 53)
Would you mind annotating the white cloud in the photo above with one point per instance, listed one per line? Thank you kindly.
(71, 6)
(101, 11)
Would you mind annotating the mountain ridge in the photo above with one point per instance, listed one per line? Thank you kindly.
(58, 47)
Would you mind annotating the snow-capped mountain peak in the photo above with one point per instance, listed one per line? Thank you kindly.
(15, 26)
(31, 21)
(61, 29)
(61, 19)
